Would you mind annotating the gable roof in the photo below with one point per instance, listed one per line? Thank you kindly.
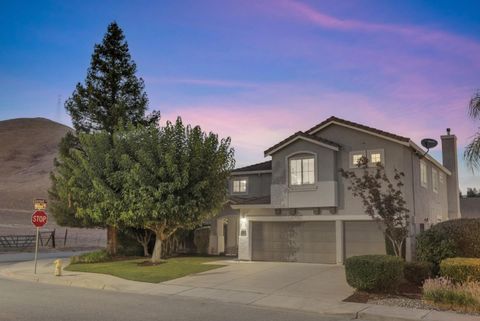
(259, 167)
(301, 135)
(377, 132)
(346, 123)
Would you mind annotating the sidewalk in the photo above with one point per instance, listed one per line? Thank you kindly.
(324, 306)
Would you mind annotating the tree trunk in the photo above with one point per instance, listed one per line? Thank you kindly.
(112, 240)
(145, 249)
(157, 250)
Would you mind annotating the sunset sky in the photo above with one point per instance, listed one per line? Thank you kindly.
(259, 70)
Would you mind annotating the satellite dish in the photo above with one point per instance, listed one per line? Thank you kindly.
(429, 143)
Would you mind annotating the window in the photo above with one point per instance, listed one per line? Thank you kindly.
(423, 174)
(239, 185)
(302, 171)
(355, 158)
(442, 178)
(435, 180)
(376, 158)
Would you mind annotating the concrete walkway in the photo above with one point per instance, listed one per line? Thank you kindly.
(303, 287)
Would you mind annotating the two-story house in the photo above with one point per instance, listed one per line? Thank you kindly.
(296, 206)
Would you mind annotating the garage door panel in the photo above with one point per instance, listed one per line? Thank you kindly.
(363, 238)
(294, 242)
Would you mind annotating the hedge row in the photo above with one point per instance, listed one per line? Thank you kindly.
(454, 238)
(461, 269)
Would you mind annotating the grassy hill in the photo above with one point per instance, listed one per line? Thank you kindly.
(27, 149)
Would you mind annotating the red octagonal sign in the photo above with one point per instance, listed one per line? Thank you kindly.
(39, 218)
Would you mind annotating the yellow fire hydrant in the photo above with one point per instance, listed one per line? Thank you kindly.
(58, 267)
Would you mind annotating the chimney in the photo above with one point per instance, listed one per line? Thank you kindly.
(450, 161)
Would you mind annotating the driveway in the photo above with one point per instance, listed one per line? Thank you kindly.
(269, 283)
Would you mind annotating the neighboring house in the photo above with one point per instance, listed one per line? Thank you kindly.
(470, 207)
(296, 207)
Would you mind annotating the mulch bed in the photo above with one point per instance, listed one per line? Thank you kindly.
(405, 290)
(408, 296)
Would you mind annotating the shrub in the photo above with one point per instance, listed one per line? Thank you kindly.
(374, 272)
(418, 272)
(449, 239)
(461, 269)
(445, 293)
(91, 257)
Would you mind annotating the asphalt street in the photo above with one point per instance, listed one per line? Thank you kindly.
(20, 300)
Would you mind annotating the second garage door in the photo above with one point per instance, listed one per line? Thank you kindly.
(311, 242)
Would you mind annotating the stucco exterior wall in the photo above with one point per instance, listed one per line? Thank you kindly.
(258, 185)
(323, 193)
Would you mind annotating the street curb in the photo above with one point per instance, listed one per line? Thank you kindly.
(365, 312)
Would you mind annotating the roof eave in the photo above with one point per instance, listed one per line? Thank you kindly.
(271, 151)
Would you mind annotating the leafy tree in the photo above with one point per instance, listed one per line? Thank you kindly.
(472, 150)
(111, 97)
(87, 182)
(172, 177)
(382, 200)
(473, 192)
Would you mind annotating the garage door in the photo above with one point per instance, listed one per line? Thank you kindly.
(311, 242)
(363, 238)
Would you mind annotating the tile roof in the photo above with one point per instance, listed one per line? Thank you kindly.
(264, 166)
(304, 135)
(360, 126)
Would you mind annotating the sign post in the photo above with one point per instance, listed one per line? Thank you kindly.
(39, 219)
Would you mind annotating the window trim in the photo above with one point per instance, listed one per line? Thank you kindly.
(435, 179)
(423, 183)
(245, 178)
(297, 156)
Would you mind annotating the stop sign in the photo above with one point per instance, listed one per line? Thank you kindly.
(39, 218)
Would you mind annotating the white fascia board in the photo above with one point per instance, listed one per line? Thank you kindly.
(430, 158)
(313, 141)
(308, 218)
(239, 173)
(248, 206)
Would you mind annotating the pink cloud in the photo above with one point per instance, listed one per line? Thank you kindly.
(440, 39)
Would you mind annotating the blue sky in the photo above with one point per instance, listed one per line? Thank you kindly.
(259, 70)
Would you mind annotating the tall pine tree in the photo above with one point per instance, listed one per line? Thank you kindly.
(112, 94)
(111, 97)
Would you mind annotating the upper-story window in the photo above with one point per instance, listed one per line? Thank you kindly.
(239, 185)
(374, 157)
(355, 158)
(302, 170)
(423, 174)
(435, 180)
(441, 178)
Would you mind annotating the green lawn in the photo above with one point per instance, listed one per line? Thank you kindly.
(130, 270)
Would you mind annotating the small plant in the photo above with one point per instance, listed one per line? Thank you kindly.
(456, 296)
(374, 273)
(417, 272)
(91, 257)
(461, 269)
